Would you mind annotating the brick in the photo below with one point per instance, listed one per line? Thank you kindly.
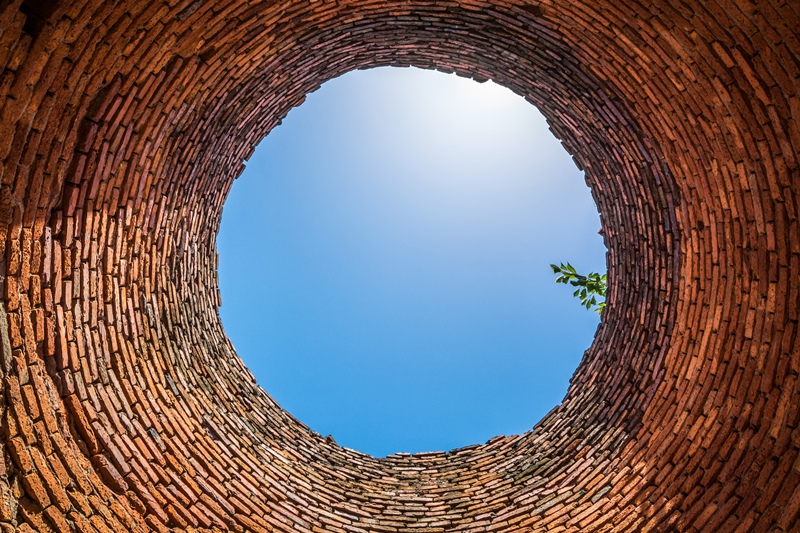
(124, 124)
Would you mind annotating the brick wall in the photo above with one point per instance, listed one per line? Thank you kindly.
(125, 408)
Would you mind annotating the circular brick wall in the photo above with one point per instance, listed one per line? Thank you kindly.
(126, 408)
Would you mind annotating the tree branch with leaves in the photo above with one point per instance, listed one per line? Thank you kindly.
(589, 287)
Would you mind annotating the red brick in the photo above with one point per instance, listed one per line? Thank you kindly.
(123, 126)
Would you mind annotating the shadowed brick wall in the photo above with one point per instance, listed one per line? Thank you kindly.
(125, 407)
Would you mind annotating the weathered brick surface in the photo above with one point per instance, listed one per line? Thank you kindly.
(124, 406)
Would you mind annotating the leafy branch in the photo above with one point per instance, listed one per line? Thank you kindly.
(589, 287)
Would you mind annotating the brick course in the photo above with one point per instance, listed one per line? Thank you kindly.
(125, 407)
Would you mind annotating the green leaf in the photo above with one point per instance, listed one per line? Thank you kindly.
(589, 287)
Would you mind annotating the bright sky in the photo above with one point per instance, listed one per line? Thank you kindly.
(384, 262)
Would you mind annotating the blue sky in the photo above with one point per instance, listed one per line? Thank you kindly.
(384, 262)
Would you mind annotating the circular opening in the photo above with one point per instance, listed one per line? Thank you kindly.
(384, 262)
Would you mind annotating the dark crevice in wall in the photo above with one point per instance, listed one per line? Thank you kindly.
(37, 12)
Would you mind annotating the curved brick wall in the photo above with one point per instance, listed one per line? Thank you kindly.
(126, 408)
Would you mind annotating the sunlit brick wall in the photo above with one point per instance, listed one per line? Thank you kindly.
(125, 407)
